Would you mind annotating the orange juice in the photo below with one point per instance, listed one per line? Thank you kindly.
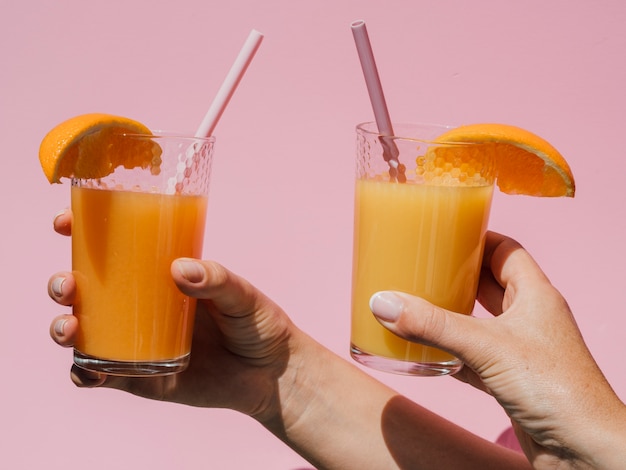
(426, 240)
(123, 244)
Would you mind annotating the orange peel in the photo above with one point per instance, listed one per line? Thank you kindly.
(525, 163)
(89, 146)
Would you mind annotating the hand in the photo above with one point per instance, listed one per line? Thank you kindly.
(248, 356)
(531, 357)
(241, 344)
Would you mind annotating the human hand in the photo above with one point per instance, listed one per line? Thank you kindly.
(248, 356)
(241, 345)
(531, 357)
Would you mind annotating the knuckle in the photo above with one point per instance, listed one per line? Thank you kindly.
(429, 326)
(436, 322)
(218, 275)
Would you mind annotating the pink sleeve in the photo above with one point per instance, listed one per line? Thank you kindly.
(509, 439)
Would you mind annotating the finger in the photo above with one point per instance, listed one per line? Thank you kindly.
(490, 293)
(250, 325)
(506, 268)
(505, 263)
(158, 387)
(62, 288)
(63, 330)
(508, 261)
(469, 376)
(229, 293)
(86, 379)
(63, 222)
(419, 321)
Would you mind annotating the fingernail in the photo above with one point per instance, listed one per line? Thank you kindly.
(191, 270)
(85, 378)
(59, 327)
(57, 286)
(387, 306)
(57, 215)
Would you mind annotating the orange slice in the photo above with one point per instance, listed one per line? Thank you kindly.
(525, 163)
(90, 146)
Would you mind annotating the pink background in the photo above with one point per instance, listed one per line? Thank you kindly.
(281, 199)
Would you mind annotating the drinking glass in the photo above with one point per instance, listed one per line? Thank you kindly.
(127, 229)
(423, 236)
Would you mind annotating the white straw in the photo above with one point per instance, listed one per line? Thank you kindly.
(375, 90)
(217, 107)
(230, 84)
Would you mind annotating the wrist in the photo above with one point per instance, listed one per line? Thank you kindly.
(592, 438)
(605, 443)
(327, 408)
(287, 397)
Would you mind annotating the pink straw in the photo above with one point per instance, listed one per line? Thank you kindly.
(230, 84)
(375, 90)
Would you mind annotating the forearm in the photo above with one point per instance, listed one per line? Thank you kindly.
(338, 417)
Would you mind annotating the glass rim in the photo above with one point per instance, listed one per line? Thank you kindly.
(370, 128)
(161, 134)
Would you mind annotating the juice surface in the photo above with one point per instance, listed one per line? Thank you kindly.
(420, 239)
(123, 244)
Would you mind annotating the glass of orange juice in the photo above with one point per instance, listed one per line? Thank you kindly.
(423, 236)
(127, 229)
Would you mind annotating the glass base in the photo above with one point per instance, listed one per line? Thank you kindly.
(131, 368)
(397, 366)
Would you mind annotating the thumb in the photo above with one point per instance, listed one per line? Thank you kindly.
(419, 321)
(207, 280)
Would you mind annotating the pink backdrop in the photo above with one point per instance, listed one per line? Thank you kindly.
(281, 198)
